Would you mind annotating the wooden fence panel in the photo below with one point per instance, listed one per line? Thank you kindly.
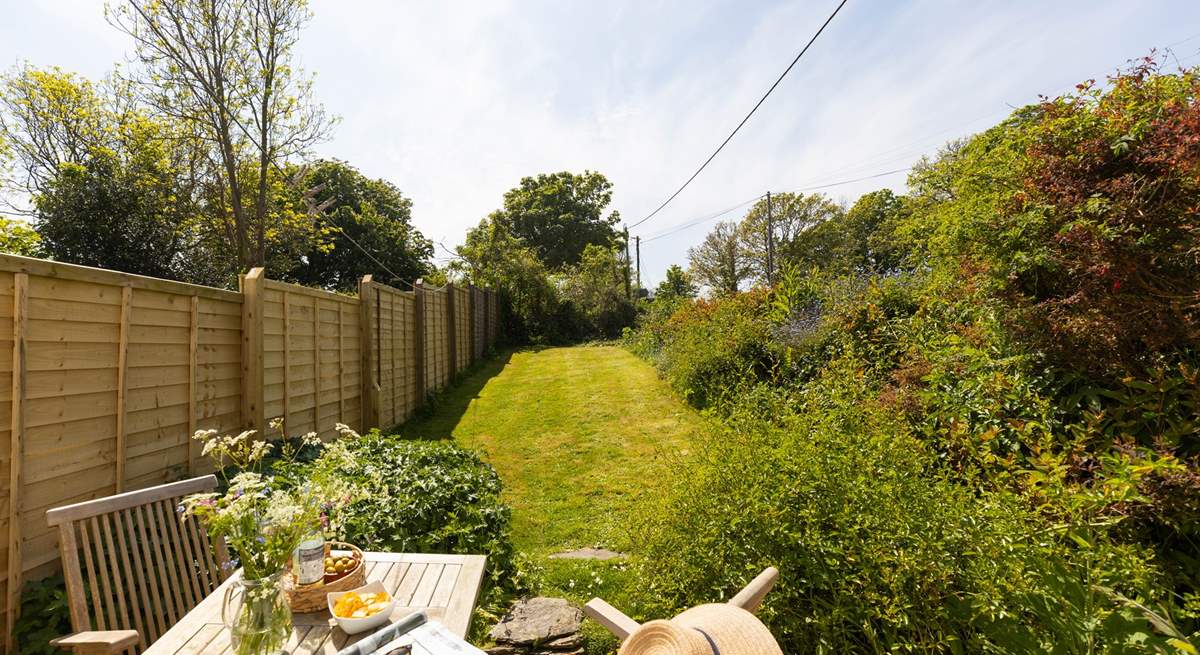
(462, 328)
(311, 366)
(112, 373)
(390, 367)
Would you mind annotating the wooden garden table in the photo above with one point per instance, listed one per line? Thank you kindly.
(445, 586)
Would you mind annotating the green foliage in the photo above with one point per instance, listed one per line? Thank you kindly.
(711, 349)
(371, 213)
(561, 277)
(719, 262)
(596, 288)
(560, 214)
(856, 241)
(677, 284)
(793, 215)
(412, 496)
(965, 420)
(44, 616)
(877, 549)
(17, 238)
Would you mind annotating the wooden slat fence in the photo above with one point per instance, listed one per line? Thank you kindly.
(112, 373)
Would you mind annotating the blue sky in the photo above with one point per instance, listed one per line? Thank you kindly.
(455, 101)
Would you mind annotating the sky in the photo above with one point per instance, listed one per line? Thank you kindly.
(455, 102)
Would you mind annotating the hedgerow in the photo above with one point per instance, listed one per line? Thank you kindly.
(991, 445)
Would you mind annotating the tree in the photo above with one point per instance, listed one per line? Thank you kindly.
(791, 215)
(47, 117)
(596, 290)
(99, 214)
(373, 214)
(678, 284)
(111, 186)
(858, 241)
(492, 257)
(224, 69)
(719, 262)
(17, 238)
(560, 214)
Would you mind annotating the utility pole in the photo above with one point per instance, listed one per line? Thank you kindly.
(628, 293)
(770, 243)
(638, 245)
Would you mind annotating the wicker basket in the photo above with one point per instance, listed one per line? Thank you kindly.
(312, 598)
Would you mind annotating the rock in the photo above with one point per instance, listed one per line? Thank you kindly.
(589, 553)
(538, 625)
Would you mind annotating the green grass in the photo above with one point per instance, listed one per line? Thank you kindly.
(579, 436)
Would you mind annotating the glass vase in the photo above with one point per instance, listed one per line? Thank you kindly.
(257, 615)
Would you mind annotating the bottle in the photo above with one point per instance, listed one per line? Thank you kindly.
(309, 561)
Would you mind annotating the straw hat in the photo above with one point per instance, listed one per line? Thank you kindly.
(703, 630)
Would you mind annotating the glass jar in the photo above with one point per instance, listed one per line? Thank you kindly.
(257, 615)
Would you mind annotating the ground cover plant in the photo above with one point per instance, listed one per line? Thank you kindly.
(984, 438)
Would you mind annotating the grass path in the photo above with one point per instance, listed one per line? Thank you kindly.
(577, 435)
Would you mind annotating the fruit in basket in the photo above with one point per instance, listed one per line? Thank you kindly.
(355, 606)
(340, 564)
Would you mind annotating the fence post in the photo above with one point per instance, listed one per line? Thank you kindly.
(419, 341)
(471, 321)
(367, 339)
(16, 459)
(253, 410)
(451, 329)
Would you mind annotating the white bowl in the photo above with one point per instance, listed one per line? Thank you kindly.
(355, 626)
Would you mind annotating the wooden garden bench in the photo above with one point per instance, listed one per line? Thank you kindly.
(143, 566)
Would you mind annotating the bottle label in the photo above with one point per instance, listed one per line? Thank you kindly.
(310, 562)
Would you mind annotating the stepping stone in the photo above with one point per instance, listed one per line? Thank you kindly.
(538, 625)
(589, 553)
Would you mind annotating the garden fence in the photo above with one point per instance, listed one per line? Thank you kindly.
(112, 373)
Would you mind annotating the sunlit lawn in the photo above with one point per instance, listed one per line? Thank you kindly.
(578, 435)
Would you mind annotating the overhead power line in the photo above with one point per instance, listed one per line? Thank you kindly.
(705, 219)
(739, 125)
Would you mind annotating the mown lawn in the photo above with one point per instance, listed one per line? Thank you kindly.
(579, 436)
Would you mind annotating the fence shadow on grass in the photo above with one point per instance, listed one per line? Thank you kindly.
(436, 420)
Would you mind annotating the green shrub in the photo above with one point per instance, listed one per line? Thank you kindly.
(709, 349)
(44, 616)
(415, 496)
(878, 548)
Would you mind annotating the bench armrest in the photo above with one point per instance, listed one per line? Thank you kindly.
(613, 619)
(98, 642)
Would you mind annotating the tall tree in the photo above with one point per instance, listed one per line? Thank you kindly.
(859, 241)
(719, 262)
(17, 238)
(370, 213)
(560, 214)
(110, 186)
(225, 69)
(596, 289)
(47, 117)
(677, 284)
(791, 215)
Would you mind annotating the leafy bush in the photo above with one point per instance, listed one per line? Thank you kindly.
(416, 496)
(876, 547)
(991, 443)
(709, 349)
(44, 616)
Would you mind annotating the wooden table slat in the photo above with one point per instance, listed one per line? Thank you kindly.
(444, 586)
(408, 585)
(429, 580)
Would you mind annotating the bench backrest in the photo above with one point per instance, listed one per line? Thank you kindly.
(134, 562)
